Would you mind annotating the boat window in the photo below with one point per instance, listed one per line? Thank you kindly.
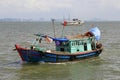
(75, 43)
(93, 45)
(91, 39)
(77, 50)
(85, 46)
(62, 49)
(72, 44)
(63, 43)
(79, 42)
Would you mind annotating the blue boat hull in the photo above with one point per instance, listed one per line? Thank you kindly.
(28, 55)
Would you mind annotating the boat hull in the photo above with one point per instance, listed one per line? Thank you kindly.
(28, 55)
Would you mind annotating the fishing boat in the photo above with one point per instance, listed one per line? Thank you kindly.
(74, 22)
(68, 48)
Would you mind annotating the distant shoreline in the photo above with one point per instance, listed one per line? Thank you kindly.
(49, 20)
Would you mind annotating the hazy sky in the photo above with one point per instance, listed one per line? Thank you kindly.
(84, 9)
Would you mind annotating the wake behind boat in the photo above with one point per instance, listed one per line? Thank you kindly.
(69, 48)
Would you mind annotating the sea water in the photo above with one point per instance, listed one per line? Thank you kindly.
(104, 67)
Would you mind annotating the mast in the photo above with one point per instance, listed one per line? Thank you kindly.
(69, 17)
(53, 27)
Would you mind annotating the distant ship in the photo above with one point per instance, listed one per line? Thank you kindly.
(74, 22)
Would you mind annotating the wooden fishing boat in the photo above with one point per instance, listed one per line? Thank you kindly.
(69, 48)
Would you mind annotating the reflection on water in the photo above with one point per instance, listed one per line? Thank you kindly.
(104, 67)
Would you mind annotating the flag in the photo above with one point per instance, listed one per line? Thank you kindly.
(65, 23)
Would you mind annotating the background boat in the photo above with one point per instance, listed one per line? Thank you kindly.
(74, 22)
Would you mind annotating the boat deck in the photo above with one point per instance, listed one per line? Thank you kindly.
(67, 53)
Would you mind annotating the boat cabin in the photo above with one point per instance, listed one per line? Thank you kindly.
(76, 45)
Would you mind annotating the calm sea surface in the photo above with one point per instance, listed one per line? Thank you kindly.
(104, 67)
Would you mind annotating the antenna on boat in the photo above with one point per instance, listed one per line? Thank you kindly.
(69, 17)
(64, 24)
(53, 26)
